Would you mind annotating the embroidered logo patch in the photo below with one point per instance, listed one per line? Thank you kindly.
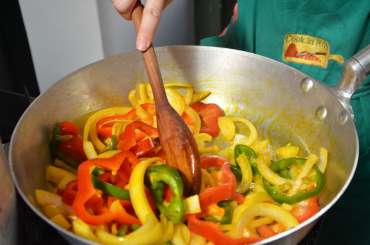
(309, 50)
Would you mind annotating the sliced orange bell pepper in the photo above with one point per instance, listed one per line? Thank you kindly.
(128, 138)
(213, 232)
(226, 190)
(86, 191)
(209, 114)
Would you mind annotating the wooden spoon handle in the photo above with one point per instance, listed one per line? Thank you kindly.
(151, 63)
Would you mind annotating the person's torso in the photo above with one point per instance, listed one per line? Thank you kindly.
(313, 36)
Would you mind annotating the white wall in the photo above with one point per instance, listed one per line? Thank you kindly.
(176, 27)
(65, 35)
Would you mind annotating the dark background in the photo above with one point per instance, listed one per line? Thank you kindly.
(17, 76)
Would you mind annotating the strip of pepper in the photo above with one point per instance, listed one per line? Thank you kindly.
(108, 188)
(159, 176)
(280, 197)
(225, 191)
(86, 191)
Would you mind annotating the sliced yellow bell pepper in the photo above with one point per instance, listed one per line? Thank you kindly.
(137, 192)
(227, 127)
(61, 221)
(141, 93)
(176, 100)
(207, 180)
(140, 112)
(108, 154)
(250, 199)
(264, 210)
(64, 182)
(90, 128)
(188, 95)
(200, 95)
(89, 150)
(261, 221)
(261, 146)
(83, 229)
(168, 229)
(201, 140)
(55, 175)
(197, 240)
(268, 174)
(252, 137)
(287, 151)
(181, 235)
(192, 205)
(247, 174)
(149, 233)
(307, 166)
(53, 210)
(47, 198)
(195, 118)
(323, 159)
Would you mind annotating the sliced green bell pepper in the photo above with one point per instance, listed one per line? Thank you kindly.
(282, 166)
(108, 188)
(280, 197)
(226, 205)
(159, 176)
(249, 152)
(243, 149)
(121, 231)
(236, 171)
(244, 166)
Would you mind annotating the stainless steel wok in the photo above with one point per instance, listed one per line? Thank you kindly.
(286, 105)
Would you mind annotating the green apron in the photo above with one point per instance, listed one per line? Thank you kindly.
(315, 37)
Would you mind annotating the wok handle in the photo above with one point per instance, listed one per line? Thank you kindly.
(355, 71)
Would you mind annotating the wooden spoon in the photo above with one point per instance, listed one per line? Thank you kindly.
(176, 139)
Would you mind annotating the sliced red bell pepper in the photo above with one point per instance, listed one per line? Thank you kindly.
(104, 125)
(149, 108)
(224, 191)
(143, 146)
(105, 132)
(305, 209)
(68, 128)
(123, 174)
(73, 149)
(239, 198)
(86, 190)
(167, 194)
(96, 204)
(128, 138)
(209, 114)
(265, 231)
(187, 119)
(109, 120)
(150, 198)
(69, 193)
(213, 232)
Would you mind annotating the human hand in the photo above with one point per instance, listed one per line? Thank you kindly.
(149, 23)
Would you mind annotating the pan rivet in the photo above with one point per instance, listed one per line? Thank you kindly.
(307, 84)
(342, 117)
(321, 112)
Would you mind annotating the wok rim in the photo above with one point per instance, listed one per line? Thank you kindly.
(69, 234)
